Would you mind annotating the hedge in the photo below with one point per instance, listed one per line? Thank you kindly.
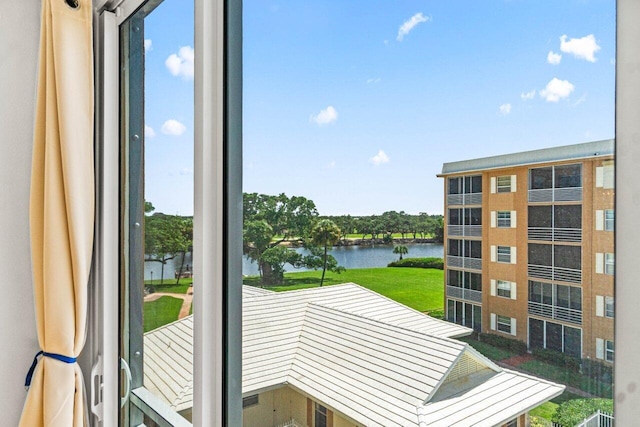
(419, 263)
(573, 412)
(503, 342)
(557, 358)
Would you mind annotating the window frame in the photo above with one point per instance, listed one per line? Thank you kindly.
(609, 307)
(609, 223)
(500, 257)
(609, 263)
(505, 322)
(502, 187)
(609, 353)
(504, 222)
(505, 291)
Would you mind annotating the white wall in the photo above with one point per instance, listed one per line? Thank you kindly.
(19, 36)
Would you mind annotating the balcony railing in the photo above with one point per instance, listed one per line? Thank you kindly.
(554, 312)
(465, 294)
(464, 262)
(550, 234)
(555, 273)
(464, 230)
(464, 199)
(569, 194)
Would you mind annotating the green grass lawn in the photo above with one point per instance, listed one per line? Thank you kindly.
(492, 352)
(418, 288)
(160, 312)
(565, 376)
(546, 410)
(169, 285)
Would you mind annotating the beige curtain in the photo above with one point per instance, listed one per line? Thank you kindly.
(62, 210)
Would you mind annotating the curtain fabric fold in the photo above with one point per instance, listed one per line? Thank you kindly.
(62, 211)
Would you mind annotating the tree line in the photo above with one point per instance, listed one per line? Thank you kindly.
(274, 225)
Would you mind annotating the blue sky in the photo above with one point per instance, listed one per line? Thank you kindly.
(356, 104)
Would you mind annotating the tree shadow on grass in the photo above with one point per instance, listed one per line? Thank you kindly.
(289, 282)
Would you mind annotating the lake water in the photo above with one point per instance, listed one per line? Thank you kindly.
(347, 256)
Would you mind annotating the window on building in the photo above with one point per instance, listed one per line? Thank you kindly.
(455, 185)
(609, 350)
(609, 220)
(555, 295)
(554, 336)
(465, 185)
(541, 178)
(473, 216)
(503, 288)
(320, 418)
(473, 249)
(503, 184)
(465, 314)
(567, 216)
(464, 279)
(250, 401)
(504, 219)
(455, 217)
(503, 324)
(609, 307)
(567, 176)
(605, 175)
(504, 254)
(609, 263)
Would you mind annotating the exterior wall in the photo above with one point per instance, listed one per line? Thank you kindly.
(283, 404)
(19, 32)
(592, 284)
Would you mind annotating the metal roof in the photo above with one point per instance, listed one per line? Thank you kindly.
(362, 355)
(545, 155)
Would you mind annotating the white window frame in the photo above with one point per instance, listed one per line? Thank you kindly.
(609, 350)
(503, 289)
(609, 264)
(217, 225)
(503, 257)
(503, 219)
(609, 307)
(505, 185)
(609, 220)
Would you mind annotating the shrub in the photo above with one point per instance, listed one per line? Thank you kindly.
(419, 263)
(437, 313)
(573, 412)
(557, 358)
(504, 342)
(597, 370)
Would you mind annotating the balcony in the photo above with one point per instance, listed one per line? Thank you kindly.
(554, 312)
(569, 194)
(547, 272)
(464, 262)
(465, 230)
(550, 234)
(291, 423)
(464, 294)
(464, 199)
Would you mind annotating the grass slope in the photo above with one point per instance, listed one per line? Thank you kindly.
(418, 288)
(160, 312)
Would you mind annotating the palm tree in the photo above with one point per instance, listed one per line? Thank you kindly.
(325, 234)
(400, 249)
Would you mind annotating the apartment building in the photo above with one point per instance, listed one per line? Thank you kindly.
(529, 247)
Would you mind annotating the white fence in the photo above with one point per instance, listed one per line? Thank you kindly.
(599, 419)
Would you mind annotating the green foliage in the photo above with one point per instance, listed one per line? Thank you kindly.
(597, 370)
(557, 358)
(166, 237)
(418, 288)
(160, 312)
(419, 263)
(538, 421)
(513, 345)
(568, 377)
(492, 352)
(400, 250)
(573, 412)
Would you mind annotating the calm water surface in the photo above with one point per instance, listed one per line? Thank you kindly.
(347, 256)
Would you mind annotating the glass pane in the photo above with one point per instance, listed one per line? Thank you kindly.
(454, 217)
(455, 247)
(568, 176)
(567, 256)
(477, 318)
(567, 216)
(536, 333)
(454, 185)
(453, 278)
(540, 178)
(476, 184)
(554, 336)
(475, 216)
(540, 216)
(157, 164)
(540, 254)
(572, 341)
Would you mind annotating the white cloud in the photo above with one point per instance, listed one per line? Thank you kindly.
(556, 90)
(149, 132)
(326, 116)
(181, 64)
(173, 127)
(410, 24)
(148, 45)
(583, 48)
(186, 171)
(529, 95)
(376, 80)
(554, 58)
(505, 109)
(380, 158)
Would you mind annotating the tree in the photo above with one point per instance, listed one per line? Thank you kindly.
(165, 237)
(268, 222)
(325, 234)
(401, 250)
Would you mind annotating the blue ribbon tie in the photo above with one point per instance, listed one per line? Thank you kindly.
(59, 357)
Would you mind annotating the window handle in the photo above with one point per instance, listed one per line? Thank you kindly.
(96, 388)
(125, 367)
